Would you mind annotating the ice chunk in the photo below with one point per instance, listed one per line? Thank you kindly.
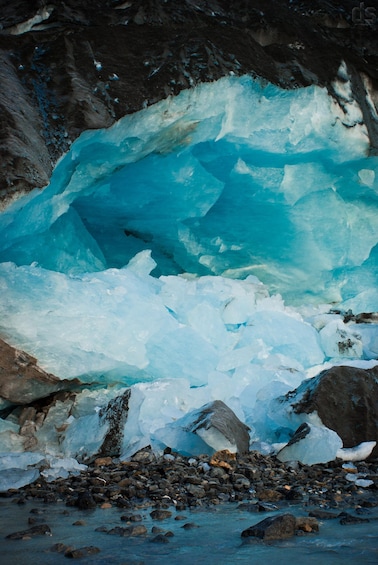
(62, 468)
(310, 445)
(17, 478)
(357, 453)
(16, 470)
(20, 460)
(339, 340)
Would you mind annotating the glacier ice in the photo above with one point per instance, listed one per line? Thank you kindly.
(357, 453)
(320, 445)
(202, 249)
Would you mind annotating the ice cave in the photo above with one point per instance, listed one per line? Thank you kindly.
(204, 248)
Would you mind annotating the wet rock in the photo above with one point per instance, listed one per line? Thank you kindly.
(347, 519)
(255, 507)
(132, 531)
(81, 552)
(85, 501)
(273, 528)
(307, 524)
(271, 495)
(160, 538)
(61, 548)
(131, 518)
(323, 514)
(40, 530)
(160, 514)
(189, 526)
(216, 419)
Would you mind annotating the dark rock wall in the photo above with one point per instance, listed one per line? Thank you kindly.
(81, 64)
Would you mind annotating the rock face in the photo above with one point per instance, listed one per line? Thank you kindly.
(22, 381)
(213, 427)
(115, 414)
(217, 422)
(346, 400)
(70, 66)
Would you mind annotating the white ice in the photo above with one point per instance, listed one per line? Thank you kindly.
(357, 453)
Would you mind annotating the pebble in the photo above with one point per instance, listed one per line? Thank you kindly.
(260, 482)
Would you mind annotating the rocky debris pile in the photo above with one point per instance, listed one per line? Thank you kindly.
(173, 480)
(153, 494)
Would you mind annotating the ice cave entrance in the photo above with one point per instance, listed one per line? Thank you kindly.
(231, 178)
(255, 210)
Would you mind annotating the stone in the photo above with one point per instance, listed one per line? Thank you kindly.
(160, 538)
(160, 514)
(103, 461)
(307, 524)
(85, 501)
(347, 519)
(217, 425)
(224, 459)
(273, 528)
(346, 401)
(115, 414)
(40, 530)
(81, 552)
(22, 381)
(323, 514)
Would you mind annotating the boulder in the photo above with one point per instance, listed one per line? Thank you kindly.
(220, 428)
(40, 530)
(273, 528)
(346, 401)
(211, 428)
(281, 527)
(22, 381)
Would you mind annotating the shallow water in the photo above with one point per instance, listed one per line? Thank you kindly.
(216, 539)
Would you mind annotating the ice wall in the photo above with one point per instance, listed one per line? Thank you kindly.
(231, 178)
(194, 251)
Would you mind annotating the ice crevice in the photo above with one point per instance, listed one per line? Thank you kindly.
(205, 248)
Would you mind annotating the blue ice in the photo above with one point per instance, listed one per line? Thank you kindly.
(201, 241)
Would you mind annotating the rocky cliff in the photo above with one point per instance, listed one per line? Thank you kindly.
(80, 64)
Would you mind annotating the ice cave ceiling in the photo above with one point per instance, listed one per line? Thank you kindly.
(233, 178)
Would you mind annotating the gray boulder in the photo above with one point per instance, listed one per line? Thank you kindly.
(213, 427)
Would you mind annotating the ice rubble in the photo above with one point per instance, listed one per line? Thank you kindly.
(229, 194)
